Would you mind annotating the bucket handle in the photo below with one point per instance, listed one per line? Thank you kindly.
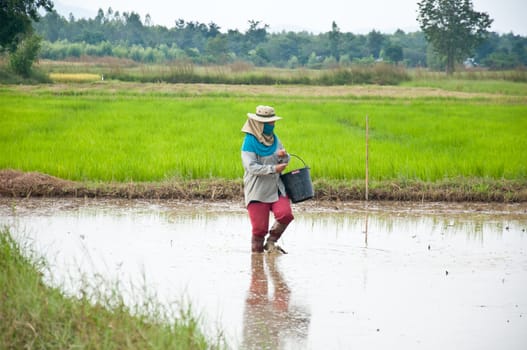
(294, 155)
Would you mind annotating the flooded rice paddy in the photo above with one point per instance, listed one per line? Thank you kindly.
(394, 275)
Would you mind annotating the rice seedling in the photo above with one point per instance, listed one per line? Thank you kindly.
(142, 135)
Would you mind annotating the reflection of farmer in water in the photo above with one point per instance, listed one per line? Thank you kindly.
(264, 158)
(270, 321)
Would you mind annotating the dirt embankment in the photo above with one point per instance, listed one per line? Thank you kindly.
(15, 183)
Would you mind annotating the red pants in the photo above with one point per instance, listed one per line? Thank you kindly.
(259, 214)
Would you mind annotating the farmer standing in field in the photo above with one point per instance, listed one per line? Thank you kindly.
(264, 158)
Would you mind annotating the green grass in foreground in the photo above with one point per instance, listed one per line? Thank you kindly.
(151, 136)
(35, 316)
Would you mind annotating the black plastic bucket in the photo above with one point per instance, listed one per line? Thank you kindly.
(298, 183)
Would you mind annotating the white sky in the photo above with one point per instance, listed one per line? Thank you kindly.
(296, 15)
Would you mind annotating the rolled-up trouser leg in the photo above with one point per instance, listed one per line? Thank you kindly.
(276, 231)
(257, 244)
(259, 215)
(283, 216)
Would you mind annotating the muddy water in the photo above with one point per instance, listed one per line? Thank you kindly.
(418, 276)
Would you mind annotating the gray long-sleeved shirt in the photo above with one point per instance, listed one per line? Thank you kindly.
(261, 181)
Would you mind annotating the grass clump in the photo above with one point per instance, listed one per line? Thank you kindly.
(35, 75)
(36, 316)
(237, 73)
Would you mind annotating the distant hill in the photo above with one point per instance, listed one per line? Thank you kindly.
(78, 12)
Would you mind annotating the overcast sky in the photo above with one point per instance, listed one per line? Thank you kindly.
(296, 15)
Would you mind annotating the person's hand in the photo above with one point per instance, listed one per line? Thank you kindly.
(280, 167)
(281, 153)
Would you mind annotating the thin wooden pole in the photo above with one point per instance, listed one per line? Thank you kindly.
(367, 176)
(366, 227)
(367, 160)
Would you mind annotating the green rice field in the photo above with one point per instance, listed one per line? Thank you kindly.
(111, 131)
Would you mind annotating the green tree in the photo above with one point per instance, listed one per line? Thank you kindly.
(217, 49)
(453, 28)
(256, 34)
(281, 47)
(375, 41)
(52, 26)
(334, 41)
(393, 53)
(16, 18)
(134, 28)
(22, 59)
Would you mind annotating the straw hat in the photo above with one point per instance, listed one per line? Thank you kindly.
(264, 114)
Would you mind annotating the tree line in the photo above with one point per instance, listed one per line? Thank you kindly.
(127, 35)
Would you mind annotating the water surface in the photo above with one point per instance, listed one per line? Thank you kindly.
(414, 276)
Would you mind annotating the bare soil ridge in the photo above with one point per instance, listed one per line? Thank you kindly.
(301, 91)
(18, 184)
